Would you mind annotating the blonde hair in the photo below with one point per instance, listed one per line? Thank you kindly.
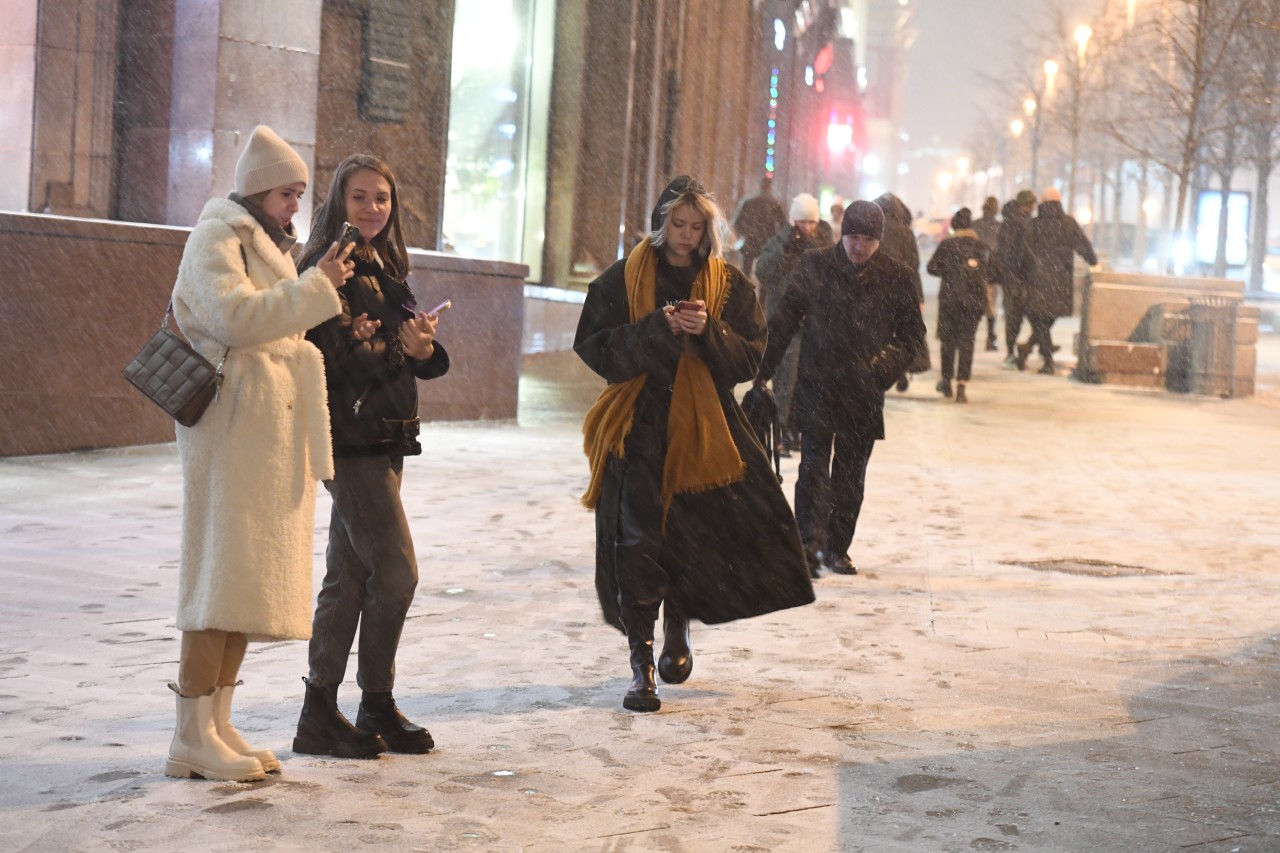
(712, 245)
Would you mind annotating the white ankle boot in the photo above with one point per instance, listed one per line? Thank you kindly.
(198, 752)
(231, 737)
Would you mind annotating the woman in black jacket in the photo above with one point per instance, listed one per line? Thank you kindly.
(963, 262)
(689, 514)
(374, 353)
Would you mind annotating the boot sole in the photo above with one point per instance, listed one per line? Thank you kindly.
(641, 703)
(408, 746)
(185, 770)
(305, 747)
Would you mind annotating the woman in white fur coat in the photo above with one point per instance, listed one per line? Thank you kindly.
(251, 464)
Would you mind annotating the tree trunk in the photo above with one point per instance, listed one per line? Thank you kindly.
(1258, 243)
(1140, 231)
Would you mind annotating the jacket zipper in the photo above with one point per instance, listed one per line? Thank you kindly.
(355, 408)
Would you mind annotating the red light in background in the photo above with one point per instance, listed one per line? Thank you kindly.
(822, 62)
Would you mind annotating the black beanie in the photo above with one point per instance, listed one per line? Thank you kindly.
(864, 218)
(962, 220)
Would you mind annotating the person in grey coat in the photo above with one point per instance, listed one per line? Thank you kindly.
(987, 227)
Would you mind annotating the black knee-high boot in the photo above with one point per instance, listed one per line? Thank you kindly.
(642, 695)
(676, 662)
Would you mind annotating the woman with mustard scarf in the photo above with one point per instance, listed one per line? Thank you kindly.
(689, 513)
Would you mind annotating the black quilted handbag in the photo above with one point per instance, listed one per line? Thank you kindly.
(174, 376)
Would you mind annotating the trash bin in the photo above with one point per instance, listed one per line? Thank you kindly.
(1213, 345)
(1175, 334)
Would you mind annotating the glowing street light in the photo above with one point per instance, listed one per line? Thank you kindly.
(1050, 74)
(1083, 33)
(1016, 127)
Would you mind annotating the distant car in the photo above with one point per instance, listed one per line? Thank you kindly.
(930, 232)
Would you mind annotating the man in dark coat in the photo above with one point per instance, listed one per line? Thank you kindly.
(758, 218)
(1055, 239)
(899, 244)
(987, 227)
(861, 327)
(1013, 267)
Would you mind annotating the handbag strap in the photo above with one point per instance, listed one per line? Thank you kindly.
(168, 312)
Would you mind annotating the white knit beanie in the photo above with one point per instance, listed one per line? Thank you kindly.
(267, 162)
(804, 208)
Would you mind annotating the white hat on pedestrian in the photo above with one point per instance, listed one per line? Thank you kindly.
(267, 162)
(804, 208)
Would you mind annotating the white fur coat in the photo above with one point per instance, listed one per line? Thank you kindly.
(250, 465)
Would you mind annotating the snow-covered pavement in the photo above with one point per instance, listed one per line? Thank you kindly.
(1064, 637)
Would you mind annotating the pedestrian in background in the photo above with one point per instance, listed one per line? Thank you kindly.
(1054, 239)
(757, 218)
(836, 212)
(860, 325)
(773, 270)
(1013, 268)
(987, 227)
(962, 262)
(900, 245)
(689, 513)
(250, 465)
(375, 351)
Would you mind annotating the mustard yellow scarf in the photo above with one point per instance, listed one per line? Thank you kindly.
(701, 454)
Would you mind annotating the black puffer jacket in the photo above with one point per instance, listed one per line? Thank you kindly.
(373, 389)
(962, 262)
(861, 329)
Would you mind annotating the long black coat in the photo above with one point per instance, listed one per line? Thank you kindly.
(732, 552)
(899, 241)
(962, 261)
(1054, 240)
(1012, 267)
(861, 328)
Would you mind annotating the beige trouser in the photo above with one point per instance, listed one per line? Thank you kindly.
(209, 659)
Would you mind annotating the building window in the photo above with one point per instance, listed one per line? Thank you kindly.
(496, 147)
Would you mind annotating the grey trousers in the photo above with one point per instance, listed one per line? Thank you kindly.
(370, 577)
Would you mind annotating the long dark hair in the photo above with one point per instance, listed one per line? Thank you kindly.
(389, 242)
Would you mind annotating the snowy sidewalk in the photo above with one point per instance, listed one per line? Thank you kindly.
(1063, 638)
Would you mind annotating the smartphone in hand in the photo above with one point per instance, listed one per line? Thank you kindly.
(346, 235)
(686, 305)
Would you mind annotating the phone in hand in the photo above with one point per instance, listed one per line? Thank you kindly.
(346, 235)
(442, 307)
(686, 305)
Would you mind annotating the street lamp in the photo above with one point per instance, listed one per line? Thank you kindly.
(1083, 34)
